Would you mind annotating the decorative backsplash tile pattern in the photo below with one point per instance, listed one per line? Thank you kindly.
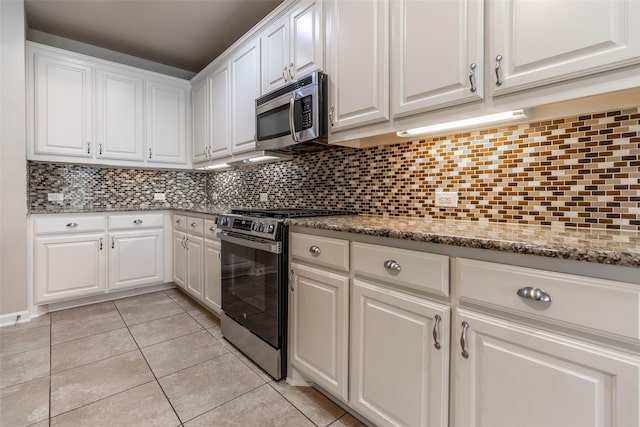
(106, 189)
(580, 171)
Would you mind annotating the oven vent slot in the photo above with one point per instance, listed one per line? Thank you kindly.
(286, 89)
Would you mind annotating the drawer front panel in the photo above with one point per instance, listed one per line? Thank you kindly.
(180, 222)
(417, 270)
(325, 251)
(210, 229)
(68, 224)
(195, 225)
(119, 222)
(588, 303)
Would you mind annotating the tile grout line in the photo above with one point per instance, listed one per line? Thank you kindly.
(298, 409)
(149, 366)
(50, 362)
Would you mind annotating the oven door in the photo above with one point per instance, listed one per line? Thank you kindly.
(253, 285)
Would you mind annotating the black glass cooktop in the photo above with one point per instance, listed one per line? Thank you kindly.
(289, 212)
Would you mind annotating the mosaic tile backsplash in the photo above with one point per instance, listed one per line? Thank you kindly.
(106, 189)
(579, 171)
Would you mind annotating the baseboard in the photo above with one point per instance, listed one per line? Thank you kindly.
(110, 296)
(14, 318)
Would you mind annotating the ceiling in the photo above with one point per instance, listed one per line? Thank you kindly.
(186, 34)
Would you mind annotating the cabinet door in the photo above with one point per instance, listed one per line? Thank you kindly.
(180, 258)
(319, 327)
(166, 123)
(511, 369)
(200, 97)
(212, 274)
(63, 107)
(398, 376)
(436, 54)
(358, 62)
(220, 112)
(135, 258)
(542, 42)
(306, 42)
(119, 115)
(67, 267)
(195, 267)
(245, 88)
(275, 55)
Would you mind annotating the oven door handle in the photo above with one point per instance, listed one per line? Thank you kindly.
(292, 123)
(264, 245)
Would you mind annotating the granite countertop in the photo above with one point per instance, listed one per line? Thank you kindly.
(593, 245)
(208, 210)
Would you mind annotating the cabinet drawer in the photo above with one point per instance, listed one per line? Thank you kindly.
(210, 229)
(118, 222)
(195, 225)
(324, 251)
(583, 302)
(418, 270)
(68, 224)
(180, 222)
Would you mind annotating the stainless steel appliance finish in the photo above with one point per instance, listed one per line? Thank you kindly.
(292, 115)
(254, 283)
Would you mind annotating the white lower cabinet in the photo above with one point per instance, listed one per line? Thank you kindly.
(135, 258)
(69, 266)
(319, 302)
(399, 357)
(512, 375)
(212, 275)
(179, 258)
(195, 273)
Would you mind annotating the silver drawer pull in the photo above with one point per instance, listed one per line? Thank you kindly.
(436, 343)
(392, 265)
(315, 250)
(137, 221)
(72, 225)
(463, 340)
(499, 70)
(535, 294)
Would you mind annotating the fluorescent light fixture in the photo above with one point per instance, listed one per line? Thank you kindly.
(220, 166)
(456, 124)
(263, 159)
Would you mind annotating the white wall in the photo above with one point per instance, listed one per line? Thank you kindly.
(13, 174)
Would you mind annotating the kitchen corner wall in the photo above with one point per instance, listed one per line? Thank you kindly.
(579, 171)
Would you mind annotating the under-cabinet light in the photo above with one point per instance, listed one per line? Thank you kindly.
(263, 159)
(219, 166)
(490, 118)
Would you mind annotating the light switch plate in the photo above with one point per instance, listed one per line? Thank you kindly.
(214, 196)
(55, 197)
(447, 199)
(264, 197)
(159, 196)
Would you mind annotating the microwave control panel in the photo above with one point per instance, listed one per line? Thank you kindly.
(307, 112)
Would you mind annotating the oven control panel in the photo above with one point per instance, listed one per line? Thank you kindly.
(259, 227)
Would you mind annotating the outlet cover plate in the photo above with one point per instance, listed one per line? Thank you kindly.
(264, 197)
(447, 199)
(55, 197)
(159, 196)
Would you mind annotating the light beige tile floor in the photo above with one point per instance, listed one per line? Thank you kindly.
(152, 360)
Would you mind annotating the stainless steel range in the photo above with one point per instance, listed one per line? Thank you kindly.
(254, 282)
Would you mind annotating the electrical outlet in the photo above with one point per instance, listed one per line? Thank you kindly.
(159, 196)
(214, 196)
(56, 197)
(264, 197)
(448, 199)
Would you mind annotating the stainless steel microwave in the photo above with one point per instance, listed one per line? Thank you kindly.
(293, 115)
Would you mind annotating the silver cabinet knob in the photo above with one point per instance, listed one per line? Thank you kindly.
(212, 229)
(392, 265)
(178, 221)
(315, 250)
(137, 221)
(193, 225)
(535, 294)
(72, 225)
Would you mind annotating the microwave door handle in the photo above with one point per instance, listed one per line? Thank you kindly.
(292, 125)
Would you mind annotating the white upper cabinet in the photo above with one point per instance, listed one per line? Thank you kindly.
(245, 88)
(61, 106)
(540, 42)
(292, 45)
(220, 139)
(166, 121)
(436, 51)
(119, 115)
(200, 98)
(357, 62)
(86, 110)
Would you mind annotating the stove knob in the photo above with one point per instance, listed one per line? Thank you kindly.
(271, 228)
(223, 221)
(254, 226)
(260, 227)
